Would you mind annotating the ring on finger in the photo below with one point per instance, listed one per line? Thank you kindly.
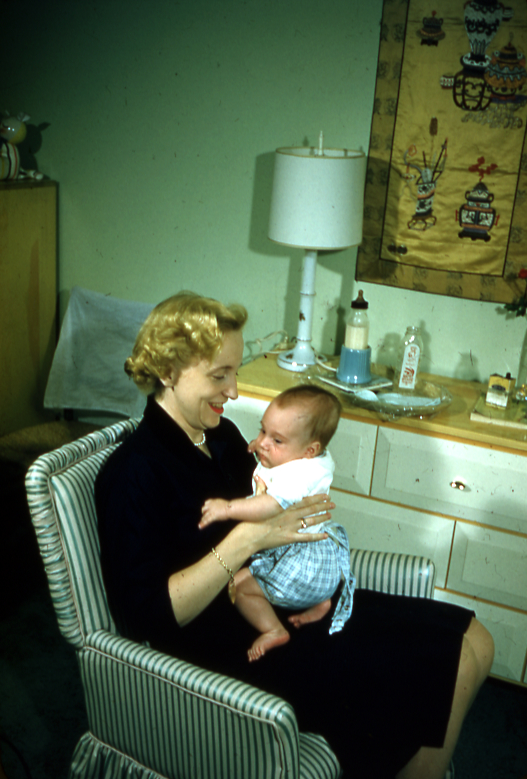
(303, 524)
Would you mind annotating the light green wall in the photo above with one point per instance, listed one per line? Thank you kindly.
(163, 117)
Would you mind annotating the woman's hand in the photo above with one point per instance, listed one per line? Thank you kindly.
(283, 527)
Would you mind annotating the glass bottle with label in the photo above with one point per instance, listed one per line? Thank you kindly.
(411, 353)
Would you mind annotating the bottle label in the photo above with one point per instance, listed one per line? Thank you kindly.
(408, 375)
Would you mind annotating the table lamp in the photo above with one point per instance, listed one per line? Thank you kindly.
(316, 204)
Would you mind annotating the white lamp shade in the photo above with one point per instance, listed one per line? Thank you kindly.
(317, 200)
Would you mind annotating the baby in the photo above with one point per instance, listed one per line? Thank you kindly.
(294, 463)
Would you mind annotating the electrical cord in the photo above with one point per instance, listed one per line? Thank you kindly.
(281, 346)
(326, 365)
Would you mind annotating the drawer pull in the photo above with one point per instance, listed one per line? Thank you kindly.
(458, 485)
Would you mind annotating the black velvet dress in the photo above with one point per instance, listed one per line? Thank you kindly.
(377, 691)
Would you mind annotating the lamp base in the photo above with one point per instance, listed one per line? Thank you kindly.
(302, 357)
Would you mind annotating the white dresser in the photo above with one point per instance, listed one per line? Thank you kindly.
(445, 487)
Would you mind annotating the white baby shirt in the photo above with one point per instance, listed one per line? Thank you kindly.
(298, 576)
(292, 481)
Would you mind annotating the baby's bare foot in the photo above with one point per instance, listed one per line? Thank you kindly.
(311, 615)
(267, 641)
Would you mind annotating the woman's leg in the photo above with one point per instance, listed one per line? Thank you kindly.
(477, 654)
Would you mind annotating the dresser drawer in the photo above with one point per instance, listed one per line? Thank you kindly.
(353, 449)
(378, 526)
(508, 629)
(418, 470)
(490, 565)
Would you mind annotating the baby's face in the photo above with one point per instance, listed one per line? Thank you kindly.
(282, 437)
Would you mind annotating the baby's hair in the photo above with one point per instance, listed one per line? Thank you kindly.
(322, 410)
(179, 331)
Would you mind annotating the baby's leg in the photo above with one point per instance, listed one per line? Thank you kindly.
(254, 606)
(312, 614)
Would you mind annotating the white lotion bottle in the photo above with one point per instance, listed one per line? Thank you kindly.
(411, 353)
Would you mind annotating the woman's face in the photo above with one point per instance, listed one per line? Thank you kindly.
(195, 399)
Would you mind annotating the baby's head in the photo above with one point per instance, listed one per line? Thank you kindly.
(299, 422)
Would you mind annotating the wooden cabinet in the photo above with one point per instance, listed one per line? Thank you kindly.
(28, 269)
(443, 487)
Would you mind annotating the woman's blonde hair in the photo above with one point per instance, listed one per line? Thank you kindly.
(179, 331)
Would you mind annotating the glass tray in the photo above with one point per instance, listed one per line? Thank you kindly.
(427, 400)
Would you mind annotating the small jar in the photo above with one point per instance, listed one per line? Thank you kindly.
(411, 353)
(357, 324)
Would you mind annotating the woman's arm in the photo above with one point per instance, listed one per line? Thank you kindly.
(193, 588)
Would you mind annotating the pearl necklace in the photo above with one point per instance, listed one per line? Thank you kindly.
(202, 442)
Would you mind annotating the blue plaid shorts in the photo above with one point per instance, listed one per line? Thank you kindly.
(298, 576)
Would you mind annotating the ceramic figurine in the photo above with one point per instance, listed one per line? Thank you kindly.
(12, 132)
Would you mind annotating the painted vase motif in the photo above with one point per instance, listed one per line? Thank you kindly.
(432, 30)
(506, 75)
(482, 21)
(472, 87)
(423, 217)
(477, 216)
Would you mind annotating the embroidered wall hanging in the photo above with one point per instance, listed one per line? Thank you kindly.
(446, 188)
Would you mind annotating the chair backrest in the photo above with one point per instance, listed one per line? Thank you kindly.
(399, 574)
(60, 490)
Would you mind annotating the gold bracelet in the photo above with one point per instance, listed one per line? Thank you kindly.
(231, 589)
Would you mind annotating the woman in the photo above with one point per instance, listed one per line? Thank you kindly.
(389, 692)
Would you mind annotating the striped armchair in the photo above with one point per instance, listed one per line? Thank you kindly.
(151, 715)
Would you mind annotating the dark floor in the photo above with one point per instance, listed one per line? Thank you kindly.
(41, 703)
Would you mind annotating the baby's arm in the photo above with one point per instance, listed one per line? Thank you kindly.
(254, 509)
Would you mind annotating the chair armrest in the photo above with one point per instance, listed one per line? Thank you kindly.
(398, 574)
(182, 720)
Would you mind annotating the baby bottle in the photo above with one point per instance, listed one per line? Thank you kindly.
(355, 356)
(357, 324)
